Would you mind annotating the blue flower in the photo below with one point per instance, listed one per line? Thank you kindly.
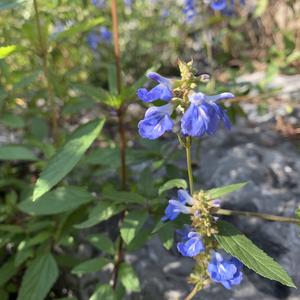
(93, 40)
(189, 10)
(162, 91)
(128, 3)
(99, 3)
(156, 122)
(218, 4)
(105, 34)
(191, 243)
(176, 207)
(204, 115)
(226, 7)
(227, 271)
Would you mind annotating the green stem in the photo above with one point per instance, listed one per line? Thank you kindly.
(188, 146)
(250, 214)
(192, 294)
(43, 53)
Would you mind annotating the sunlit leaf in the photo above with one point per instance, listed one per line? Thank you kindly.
(67, 157)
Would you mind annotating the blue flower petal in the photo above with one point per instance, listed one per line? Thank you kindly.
(218, 4)
(159, 92)
(225, 271)
(156, 122)
(194, 121)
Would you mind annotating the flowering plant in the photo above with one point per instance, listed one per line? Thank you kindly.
(190, 113)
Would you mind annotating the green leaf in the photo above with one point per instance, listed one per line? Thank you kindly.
(78, 28)
(12, 121)
(297, 213)
(58, 201)
(7, 271)
(261, 7)
(102, 212)
(67, 157)
(124, 197)
(178, 183)
(129, 278)
(102, 242)
(91, 265)
(224, 190)
(8, 4)
(132, 224)
(112, 83)
(239, 246)
(166, 234)
(104, 292)
(15, 152)
(7, 50)
(39, 278)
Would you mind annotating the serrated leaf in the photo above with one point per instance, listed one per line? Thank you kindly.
(178, 183)
(57, 201)
(132, 223)
(104, 292)
(39, 278)
(239, 246)
(129, 278)
(224, 190)
(67, 157)
(124, 197)
(102, 212)
(102, 242)
(89, 266)
(16, 152)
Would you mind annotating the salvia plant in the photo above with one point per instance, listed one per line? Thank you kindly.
(60, 195)
(189, 113)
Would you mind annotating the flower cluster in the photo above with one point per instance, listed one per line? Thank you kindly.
(189, 10)
(198, 114)
(195, 241)
(101, 35)
(202, 113)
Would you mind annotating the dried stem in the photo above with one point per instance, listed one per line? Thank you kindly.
(267, 217)
(122, 137)
(43, 53)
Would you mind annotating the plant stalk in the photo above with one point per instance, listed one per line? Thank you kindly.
(43, 53)
(267, 217)
(188, 145)
(192, 294)
(122, 138)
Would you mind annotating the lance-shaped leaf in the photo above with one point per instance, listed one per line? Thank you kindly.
(239, 246)
(67, 157)
(16, 152)
(224, 190)
(57, 201)
(132, 224)
(178, 183)
(39, 278)
(129, 278)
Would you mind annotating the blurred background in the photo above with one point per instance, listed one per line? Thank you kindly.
(57, 72)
